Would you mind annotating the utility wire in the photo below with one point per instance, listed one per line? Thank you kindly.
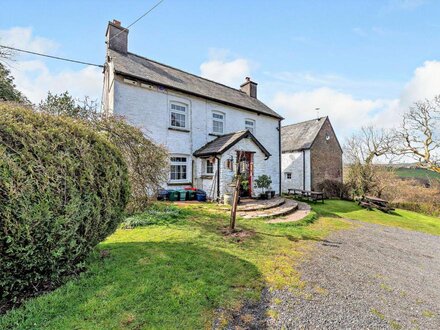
(51, 56)
(145, 14)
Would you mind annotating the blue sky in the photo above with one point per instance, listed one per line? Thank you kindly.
(361, 62)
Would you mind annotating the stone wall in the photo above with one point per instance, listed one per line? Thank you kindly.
(325, 156)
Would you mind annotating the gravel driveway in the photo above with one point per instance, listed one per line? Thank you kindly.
(369, 277)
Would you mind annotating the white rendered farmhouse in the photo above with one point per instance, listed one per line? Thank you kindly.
(204, 125)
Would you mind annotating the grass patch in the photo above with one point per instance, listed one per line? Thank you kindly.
(175, 271)
(399, 218)
(416, 173)
(157, 214)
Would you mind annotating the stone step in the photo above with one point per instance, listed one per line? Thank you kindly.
(287, 207)
(259, 205)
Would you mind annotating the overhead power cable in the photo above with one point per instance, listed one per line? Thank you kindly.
(137, 20)
(51, 56)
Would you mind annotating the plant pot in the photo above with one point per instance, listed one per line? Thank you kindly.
(263, 196)
(268, 195)
(227, 199)
(272, 193)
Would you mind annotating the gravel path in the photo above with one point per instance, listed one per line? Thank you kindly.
(370, 277)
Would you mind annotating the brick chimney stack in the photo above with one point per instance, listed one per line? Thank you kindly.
(117, 37)
(249, 87)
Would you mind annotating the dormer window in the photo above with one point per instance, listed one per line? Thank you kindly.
(218, 122)
(178, 115)
(249, 124)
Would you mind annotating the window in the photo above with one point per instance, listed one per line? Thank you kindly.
(218, 122)
(209, 167)
(178, 115)
(249, 124)
(288, 175)
(178, 170)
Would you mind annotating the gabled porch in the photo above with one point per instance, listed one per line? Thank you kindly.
(222, 156)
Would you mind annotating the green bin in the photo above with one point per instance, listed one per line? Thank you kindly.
(182, 195)
(191, 195)
(174, 195)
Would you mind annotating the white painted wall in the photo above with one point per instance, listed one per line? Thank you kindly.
(293, 163)
(261, 166)
(148, 108)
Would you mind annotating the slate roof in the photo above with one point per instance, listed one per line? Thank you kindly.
(300, 136)
(222, 143)
(157, 73)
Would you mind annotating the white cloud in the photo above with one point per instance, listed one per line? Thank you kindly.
(21, 37)
(230, 72)
(35, 80)
(34, 77)
(348, 112)
(345, 111)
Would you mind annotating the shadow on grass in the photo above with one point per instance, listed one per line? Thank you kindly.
(144, 285)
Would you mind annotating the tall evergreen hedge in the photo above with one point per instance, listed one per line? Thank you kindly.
(63, 189)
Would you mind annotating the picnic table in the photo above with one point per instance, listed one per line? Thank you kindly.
(311, 195)
(370, 202)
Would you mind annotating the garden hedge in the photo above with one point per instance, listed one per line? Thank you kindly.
(63, 189)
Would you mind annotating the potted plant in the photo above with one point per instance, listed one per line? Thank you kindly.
(272, 192)
(263, 182)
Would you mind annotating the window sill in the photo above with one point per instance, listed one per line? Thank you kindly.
(179, 129)
(215, 134)
(179, 183)
(207, 176)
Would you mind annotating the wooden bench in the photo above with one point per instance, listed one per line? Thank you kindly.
(370, 202)
(308, 194)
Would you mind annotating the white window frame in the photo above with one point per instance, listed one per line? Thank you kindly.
(183, 161)
(179, 112)
(219, 120)
(206, 162)
(248, 127)
(287, 174)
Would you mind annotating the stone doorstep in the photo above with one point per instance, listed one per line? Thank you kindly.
(258, 205)
(286, 208)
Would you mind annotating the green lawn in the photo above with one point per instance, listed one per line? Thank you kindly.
(181, 268)
(176, 274)
(399, 218)
(416, 173)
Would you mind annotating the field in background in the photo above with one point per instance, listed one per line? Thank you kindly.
(416, 173)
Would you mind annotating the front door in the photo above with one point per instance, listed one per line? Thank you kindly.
(246, 163)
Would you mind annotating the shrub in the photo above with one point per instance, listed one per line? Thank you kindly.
(155, 215)
(63, 189)
(334, 189)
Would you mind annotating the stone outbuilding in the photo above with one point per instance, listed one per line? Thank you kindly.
(310, 154)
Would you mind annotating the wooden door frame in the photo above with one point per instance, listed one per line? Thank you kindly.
(249, 155)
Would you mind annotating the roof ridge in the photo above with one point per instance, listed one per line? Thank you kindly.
(305, 121)
(186, 72)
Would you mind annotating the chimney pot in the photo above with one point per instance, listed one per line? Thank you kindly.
(116, 22)
(249, 87)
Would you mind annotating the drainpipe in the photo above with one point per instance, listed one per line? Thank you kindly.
(279, 154)
(218, 178)
(304, 170)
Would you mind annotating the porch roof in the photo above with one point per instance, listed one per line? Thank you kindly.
(222, 143)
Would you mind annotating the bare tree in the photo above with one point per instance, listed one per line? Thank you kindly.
(419, 134)
(369, 144)
(361, 151)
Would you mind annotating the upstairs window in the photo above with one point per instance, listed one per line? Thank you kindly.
(249, 124)
(178, 169)
(288, 175)
(218, 122)
(178, 115)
